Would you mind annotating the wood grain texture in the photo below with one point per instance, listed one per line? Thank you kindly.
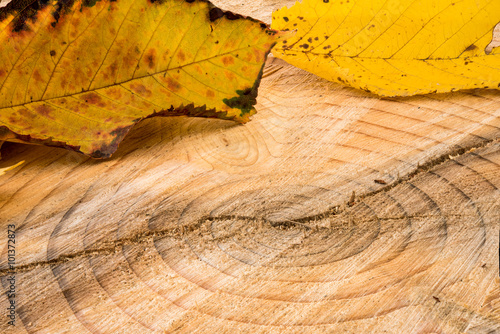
(207, 226)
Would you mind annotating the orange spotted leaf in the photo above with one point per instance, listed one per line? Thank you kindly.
(80, 73)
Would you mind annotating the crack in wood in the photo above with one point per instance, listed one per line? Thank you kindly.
(181, 231)
(302, 223)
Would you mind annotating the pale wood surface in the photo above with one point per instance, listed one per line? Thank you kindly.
(206, 226)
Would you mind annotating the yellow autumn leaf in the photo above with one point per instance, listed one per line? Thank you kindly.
(80, 73)
(394, 47)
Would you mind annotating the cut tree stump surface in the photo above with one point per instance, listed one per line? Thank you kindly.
(332, 211)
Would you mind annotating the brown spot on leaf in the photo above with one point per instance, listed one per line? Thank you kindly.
(89, 3)
(305, 45)
(230, 43)
(112, 69)
(471, 48)
(44, 111)
(150, 58)
(60, 7)
(52, 53)
(227, 60)
(172, 84)
(141, 90)
(94, 99)
(258, 55)
(229, 75)
(64, 83)
(181, 55)
(198, 69)
(114, 93)
(37, 77)
(210, 93)
(25, 113)
(215, 14)
(232, 16)
(248, 57)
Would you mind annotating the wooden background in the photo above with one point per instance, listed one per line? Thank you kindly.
(333, 211)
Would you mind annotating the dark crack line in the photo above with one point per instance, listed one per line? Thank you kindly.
(108, 248)
(424, 168)
(180, 232)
